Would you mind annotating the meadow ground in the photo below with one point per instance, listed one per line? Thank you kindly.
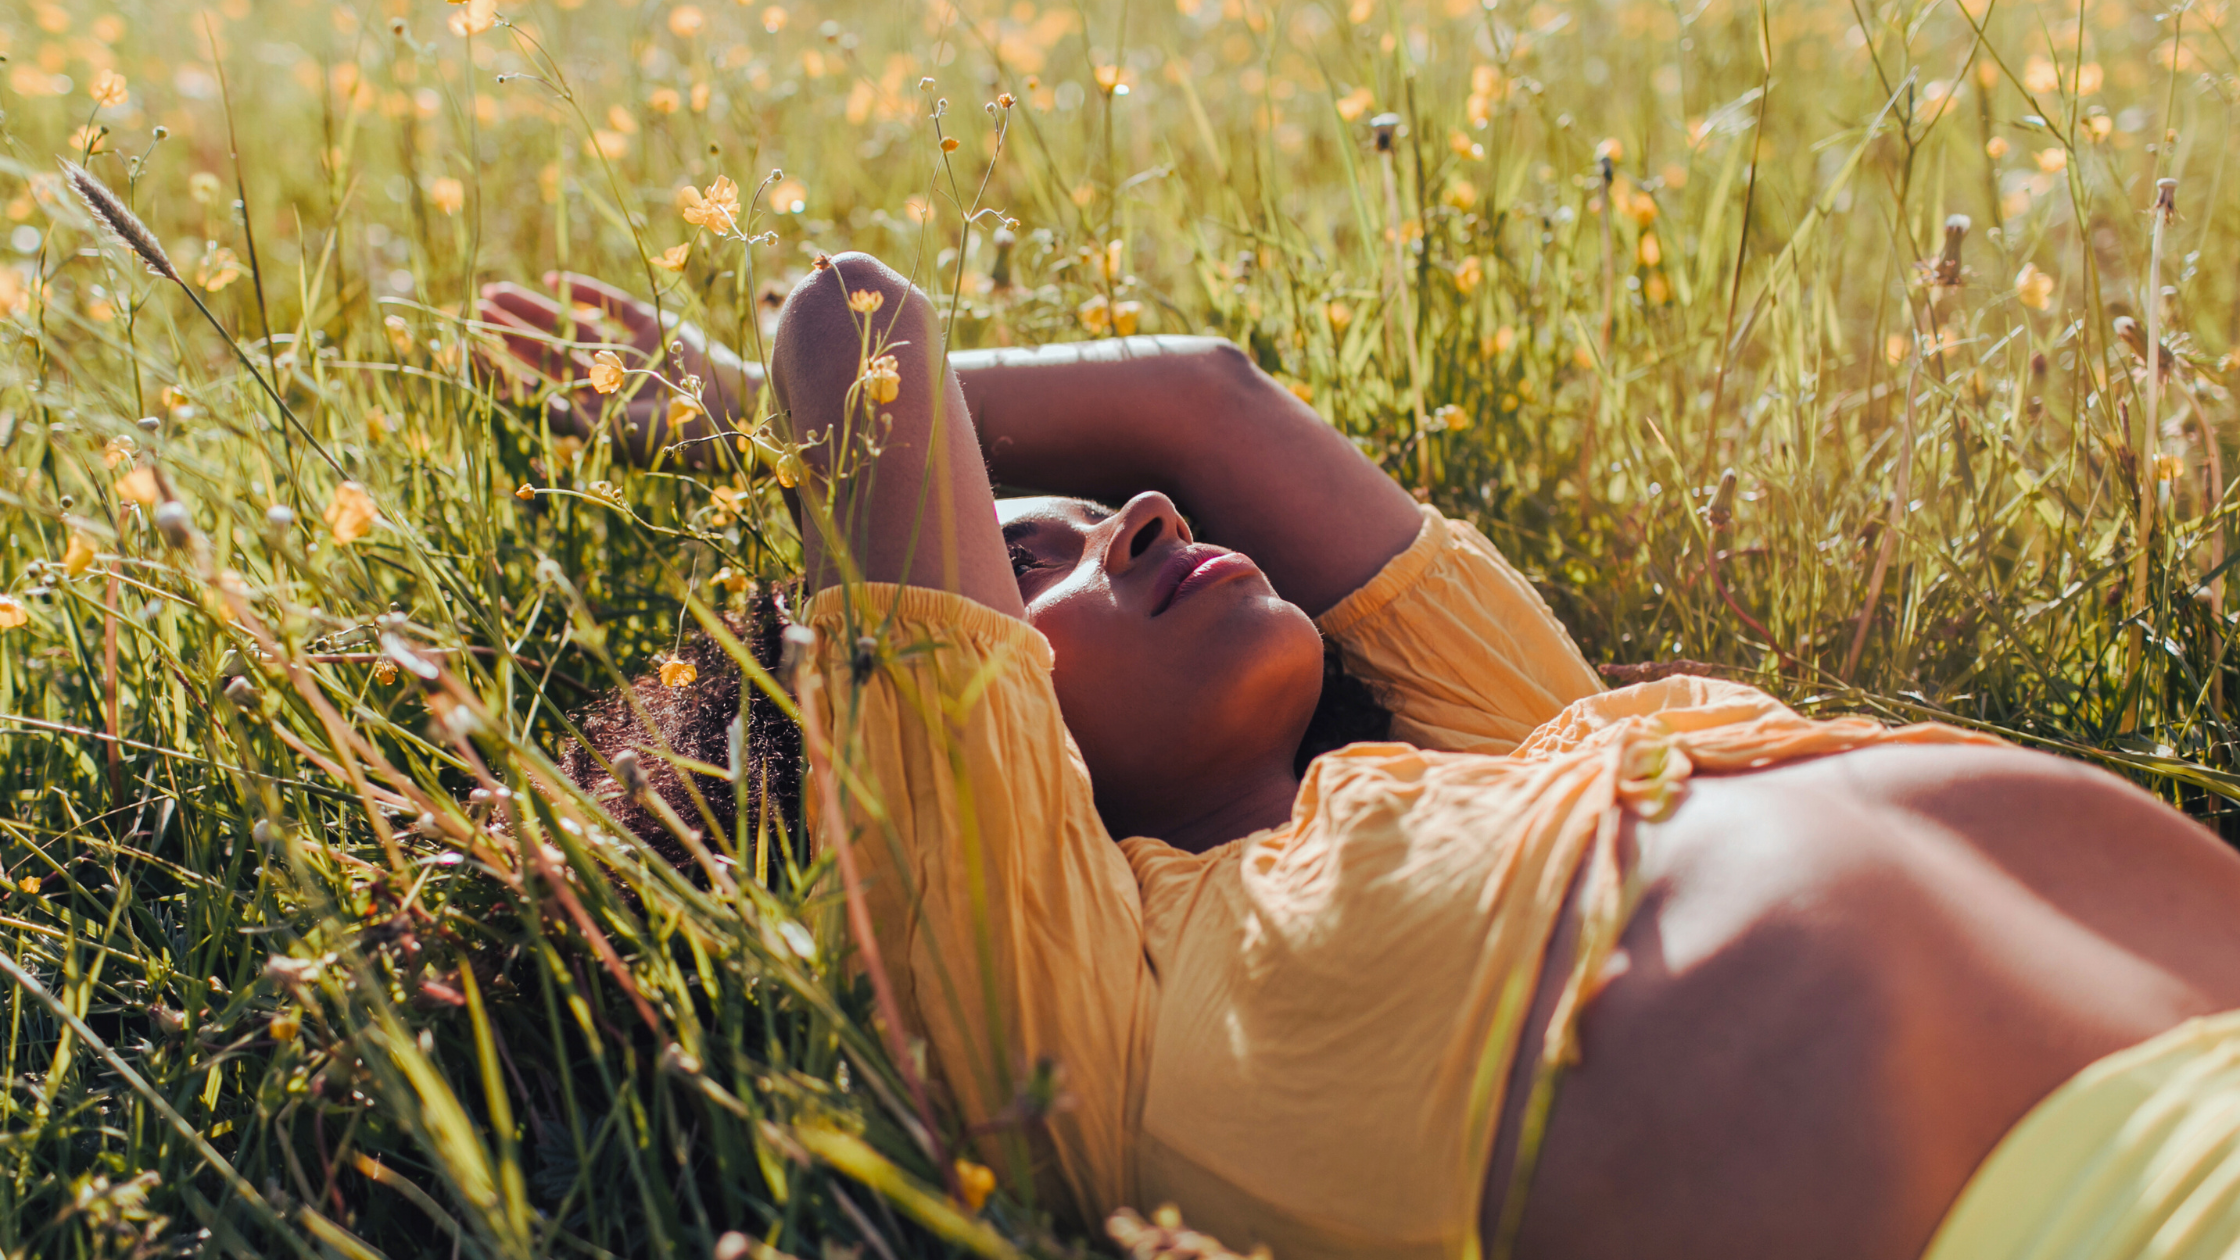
(1563, 266)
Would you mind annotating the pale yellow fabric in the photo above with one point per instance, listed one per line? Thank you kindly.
(2136, 1157)
(1300, 1037)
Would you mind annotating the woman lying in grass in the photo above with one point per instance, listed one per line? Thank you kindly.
(1551, 971)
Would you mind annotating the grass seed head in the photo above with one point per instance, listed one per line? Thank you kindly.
(119, 222)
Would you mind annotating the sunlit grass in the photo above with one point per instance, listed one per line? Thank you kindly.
(282, 989)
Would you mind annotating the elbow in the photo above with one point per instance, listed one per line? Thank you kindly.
(823, 326)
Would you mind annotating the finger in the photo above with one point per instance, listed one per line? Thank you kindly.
(632, 313)
(528, 343)
(538, 311)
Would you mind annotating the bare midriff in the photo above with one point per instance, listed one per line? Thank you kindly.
(1846, 980)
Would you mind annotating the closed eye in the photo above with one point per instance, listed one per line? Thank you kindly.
(1021, 560)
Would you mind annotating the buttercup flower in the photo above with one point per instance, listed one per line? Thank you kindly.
(351, 515)
(673, 258)
(2034, 287)
(975, 1182)
(218, 268)
(882, 379)
(79, 555)
(12, 613)
(139, 486)
(606, 371)
(108, 90)
(716, 209)
(865, 301)
(678, 674)
(1096, 314)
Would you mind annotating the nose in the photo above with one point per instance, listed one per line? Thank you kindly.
(1148, 519)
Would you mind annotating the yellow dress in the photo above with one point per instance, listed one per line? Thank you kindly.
(1300, 1038)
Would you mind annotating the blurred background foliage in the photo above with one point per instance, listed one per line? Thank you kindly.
(1838, 348)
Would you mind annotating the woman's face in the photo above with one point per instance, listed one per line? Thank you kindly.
(1178, 666)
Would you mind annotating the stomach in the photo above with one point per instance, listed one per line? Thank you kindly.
(1846, 980)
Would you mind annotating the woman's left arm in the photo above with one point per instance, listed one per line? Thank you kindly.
(1193, 417)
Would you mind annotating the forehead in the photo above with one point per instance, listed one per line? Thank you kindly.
(1031, 513)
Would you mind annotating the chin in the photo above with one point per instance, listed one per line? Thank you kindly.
(1265, 661)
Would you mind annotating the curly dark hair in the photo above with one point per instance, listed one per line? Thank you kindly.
(696, 721)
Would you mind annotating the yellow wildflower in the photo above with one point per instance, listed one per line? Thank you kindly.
(1995, 148)
(882, 379)
(1340, 316)
(686, 21)
(448, 194)
(606, 371)
(12, 613)
(975, 1182)
(673, 258)
(218, 268)
(79, 555)
(1108, 79)
(118, 450)
(1096, 314)
(678, 674)
(1469, 274)
(525, 491)
(139, 486)
(29, 884)
(385, 671)
(351, 515)
(948, 144)
(1356, 103)
(2034, 287)
(2053, 160)
(2040, 75)
(866, 301)
(664, 101)
(716, 209)
(108, 90)
(285, 1025)
(1451, 418)
(681, 409)
(474, 17)
(1124, 315)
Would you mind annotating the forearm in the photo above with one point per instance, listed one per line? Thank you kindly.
(1192, 417)
(896, 484)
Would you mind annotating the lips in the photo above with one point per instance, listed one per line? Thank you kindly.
(1193, 569)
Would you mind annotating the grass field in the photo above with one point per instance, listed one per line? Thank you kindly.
(273, 988)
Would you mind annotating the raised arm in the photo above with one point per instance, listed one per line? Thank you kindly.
(921, 510)
(1193, 417)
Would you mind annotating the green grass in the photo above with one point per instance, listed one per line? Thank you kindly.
(569, 1047)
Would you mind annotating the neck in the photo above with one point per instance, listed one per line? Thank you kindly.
(1245, 805)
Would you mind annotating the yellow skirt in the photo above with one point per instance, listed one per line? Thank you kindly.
(2136, 1156)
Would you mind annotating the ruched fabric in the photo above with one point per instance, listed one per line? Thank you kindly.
(1302, 1037)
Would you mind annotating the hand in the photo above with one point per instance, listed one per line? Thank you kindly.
(556, 342)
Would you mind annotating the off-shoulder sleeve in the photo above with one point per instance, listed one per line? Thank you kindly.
(1005, 916)
(1457, 644)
